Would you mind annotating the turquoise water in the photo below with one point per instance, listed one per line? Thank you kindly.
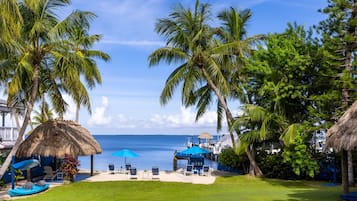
(153, 150)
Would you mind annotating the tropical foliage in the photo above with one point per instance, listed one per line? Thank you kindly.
(47, 58)
(290, 84)
(70, 167)
(209, 59)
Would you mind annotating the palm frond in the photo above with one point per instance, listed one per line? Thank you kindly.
(289, 134)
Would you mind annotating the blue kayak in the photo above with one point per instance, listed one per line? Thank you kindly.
(22, 191)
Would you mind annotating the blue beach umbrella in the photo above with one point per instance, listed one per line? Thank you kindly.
(26, 164)
(195, 150)
(126, 153)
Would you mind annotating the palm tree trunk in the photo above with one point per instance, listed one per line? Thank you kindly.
(221, 100)
(29, 107)
(17, 121)
(43, 108)
(256, 170)
(77, 112)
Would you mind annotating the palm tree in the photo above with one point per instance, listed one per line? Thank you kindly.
(39, 54)
(85, 64)
(43, 114)
(192, 41)
(10, 22)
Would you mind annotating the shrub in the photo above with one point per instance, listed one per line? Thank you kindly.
(229, 157)
(273, 166)
(70, 167)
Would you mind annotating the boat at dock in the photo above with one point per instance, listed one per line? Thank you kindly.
(215, 144)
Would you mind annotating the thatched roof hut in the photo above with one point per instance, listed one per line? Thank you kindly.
(205, 135)
(343, 138)
(343, 135)
(57, 138)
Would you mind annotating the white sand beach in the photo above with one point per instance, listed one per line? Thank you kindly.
(164, 176)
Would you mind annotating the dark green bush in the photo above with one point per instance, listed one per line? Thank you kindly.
(273, 166)
(229, 158)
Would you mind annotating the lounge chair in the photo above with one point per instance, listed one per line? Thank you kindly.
(133, 173)
(205, 171)
(155, 172)
(111, 168)
(50, 174)
(189, 170)
(127, 168)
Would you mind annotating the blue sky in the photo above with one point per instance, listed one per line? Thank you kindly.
(128, 100)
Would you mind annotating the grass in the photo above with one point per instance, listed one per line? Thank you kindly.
(237, 188)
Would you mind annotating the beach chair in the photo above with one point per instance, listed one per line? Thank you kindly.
(155, 172)
(133, 173)
(111, 168)
(127, 168)
(205, 171)
(50, 174)
(189, 170)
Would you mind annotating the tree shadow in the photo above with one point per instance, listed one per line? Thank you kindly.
(309, 190)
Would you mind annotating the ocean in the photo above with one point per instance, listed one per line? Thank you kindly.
(153, 150)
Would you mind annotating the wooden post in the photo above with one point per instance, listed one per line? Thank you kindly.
(28, 174)
(344, 170)
(91, 165)
(175, 163)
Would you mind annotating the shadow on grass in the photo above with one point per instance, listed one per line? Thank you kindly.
(308, 190)
(313, 195)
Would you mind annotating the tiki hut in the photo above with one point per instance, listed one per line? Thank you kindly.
(343, 137)
(205, 135)
(58, 138)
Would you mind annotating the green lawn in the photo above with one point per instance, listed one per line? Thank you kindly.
(237, 188)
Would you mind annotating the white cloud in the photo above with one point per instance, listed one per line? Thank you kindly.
(186, 118)
(99, 116)
(125, 122)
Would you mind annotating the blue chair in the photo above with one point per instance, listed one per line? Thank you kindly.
(133, 173)
(189, 170)
(127, 168)
(205, 171)
(111, 168)
(155, 172)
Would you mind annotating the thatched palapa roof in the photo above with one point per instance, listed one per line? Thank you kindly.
(205, 135)
(57, 138)
(343, 135)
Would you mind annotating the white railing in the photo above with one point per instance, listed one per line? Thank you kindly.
(8, 133)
